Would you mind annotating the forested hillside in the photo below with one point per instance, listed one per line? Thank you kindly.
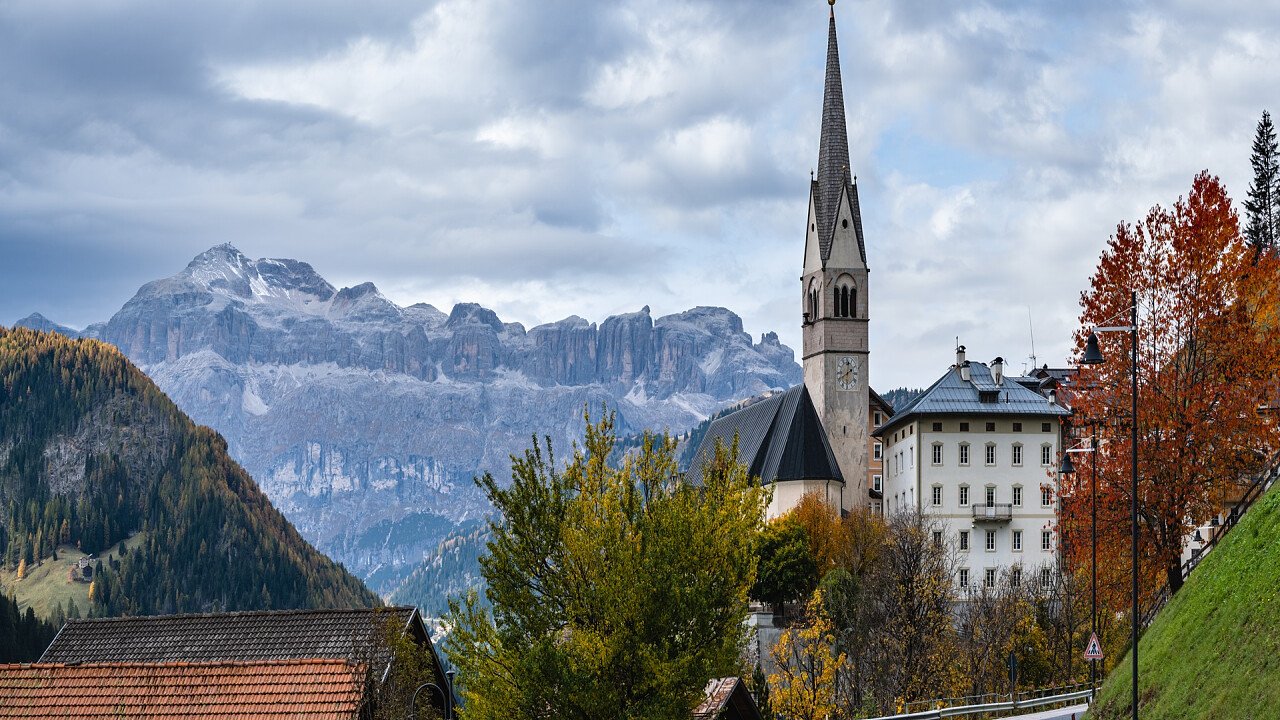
(91, 452)
(23, 636)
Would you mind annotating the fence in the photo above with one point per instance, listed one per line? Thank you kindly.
(1027, 700)
(1260, 485)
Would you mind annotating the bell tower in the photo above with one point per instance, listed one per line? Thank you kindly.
(835, 291)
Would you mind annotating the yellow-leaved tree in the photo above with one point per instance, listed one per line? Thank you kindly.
(806, 686)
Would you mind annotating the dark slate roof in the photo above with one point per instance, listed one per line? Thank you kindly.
(834, 176)
(726, 699)
(951, 395)
(780, 438)
(266, 635)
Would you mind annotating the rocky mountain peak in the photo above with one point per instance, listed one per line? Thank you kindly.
(36, 321)
(363, 303)
(473, 314)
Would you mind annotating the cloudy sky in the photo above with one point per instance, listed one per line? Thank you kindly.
(556, 157)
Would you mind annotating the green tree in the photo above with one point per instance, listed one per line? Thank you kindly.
(787, 569)
(1263, 206)
(614, 591)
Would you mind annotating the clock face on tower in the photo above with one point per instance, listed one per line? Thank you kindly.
(846, 373)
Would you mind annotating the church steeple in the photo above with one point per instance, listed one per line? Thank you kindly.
(834, 174)
(835, 286)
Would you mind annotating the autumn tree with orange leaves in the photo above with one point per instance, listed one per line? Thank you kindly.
(1208, 351)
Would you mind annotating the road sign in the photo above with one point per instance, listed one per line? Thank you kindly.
(1094, 651)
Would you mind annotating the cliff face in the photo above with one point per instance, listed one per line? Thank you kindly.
(365, 422)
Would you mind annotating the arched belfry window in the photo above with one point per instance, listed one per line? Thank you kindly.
(846, 299)
(813, 303)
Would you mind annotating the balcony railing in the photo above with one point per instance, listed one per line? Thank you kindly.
(993, 513)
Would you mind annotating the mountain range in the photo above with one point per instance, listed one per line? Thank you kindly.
(365, 422)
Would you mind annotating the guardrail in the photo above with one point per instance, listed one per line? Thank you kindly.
(1014, 703)
(1260, 485)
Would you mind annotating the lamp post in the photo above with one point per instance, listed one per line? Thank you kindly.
(446, 696)
(1068, 468)
(1093, 356)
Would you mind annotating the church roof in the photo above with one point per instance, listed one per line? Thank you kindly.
(780, 438)
(834, 176)
(980, 395)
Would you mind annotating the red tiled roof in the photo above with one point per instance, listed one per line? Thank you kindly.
(295, 689)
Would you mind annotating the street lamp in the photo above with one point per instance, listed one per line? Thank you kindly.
(1093, 356)
(446, 696)
(1068, 468)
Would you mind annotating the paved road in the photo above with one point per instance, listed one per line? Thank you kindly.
(1074, 712)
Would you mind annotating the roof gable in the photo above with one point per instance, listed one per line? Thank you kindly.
(726, 699)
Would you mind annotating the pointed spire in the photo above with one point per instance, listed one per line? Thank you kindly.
(833, 152)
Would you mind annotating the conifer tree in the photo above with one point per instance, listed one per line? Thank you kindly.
(1263, 206)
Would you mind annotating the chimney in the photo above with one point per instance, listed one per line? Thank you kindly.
(965, 374)
(997, 370)
(959, 356)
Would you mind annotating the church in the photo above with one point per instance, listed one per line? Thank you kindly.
(817, 437)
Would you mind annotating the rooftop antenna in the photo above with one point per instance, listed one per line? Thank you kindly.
(1031, 328)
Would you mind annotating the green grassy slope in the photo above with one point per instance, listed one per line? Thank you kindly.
(47, 584)
(1214, 651)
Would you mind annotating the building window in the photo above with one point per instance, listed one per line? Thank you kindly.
(1046, 497)
(1015, 577)
(989, 578)
(1017, 541)
(1017, 455)
(964, 495)
(991, 541)
(1017, 427)
(964, 427)
(937, 538)
(937, 427)
(1046, 540)
(1046, 427)
(879, 418)
(937, 496)
(964, 539)
(1017, 496)
(964, 453)
(991, 427)
(1046, 455)
(991, 454)
(1046, 578)
(877, 482)
(991, 496)
(877, 451)
(937, 453)
(964, 577)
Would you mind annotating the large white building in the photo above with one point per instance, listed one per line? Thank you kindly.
(979, 450)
